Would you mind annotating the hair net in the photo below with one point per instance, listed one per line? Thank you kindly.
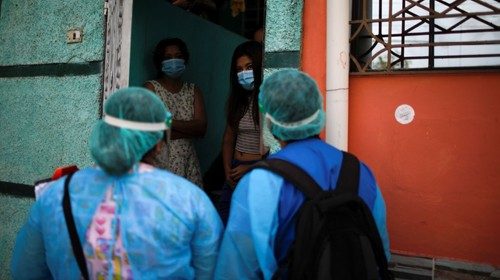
(134, 121)
(292, 105)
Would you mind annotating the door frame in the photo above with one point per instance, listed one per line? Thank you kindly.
(117, 45)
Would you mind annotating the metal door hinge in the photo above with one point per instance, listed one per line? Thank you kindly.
(106, 7)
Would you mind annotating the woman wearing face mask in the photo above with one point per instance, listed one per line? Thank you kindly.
(185, 102)
(241, 146)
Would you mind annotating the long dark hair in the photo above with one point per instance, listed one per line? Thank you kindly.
(159, 52)
(238, 101)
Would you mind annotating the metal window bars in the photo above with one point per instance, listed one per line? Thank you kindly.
(399, 35)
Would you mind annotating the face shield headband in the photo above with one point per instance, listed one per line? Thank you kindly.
(293, 124)
(142, 126)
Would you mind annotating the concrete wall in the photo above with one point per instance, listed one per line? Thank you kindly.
(34, 31)
(210, 47)
(439, 174)
(49, 97)
(47, 87)
(283, 33)
(282, 44)
(46, 123)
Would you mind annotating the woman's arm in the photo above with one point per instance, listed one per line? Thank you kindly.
(228, 142)
(196, 127)
(236, 173)
(149, 86)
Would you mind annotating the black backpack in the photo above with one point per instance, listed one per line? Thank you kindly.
(335, 236)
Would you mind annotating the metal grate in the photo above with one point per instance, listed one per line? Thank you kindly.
(399, 35)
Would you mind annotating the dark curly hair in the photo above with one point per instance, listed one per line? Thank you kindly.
(238, 100)
(159, 52)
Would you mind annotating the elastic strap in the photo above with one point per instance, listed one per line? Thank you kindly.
(73, 234)
(293, 124)
(142, 126)
(294, 174)
(347, 182)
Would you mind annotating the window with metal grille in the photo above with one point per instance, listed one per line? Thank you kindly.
(400, 35)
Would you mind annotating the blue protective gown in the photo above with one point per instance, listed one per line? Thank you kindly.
(261, 224)
(168, 225)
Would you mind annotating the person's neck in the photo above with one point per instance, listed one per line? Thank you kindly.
(172, 85)
(250, 96)
(284, 143)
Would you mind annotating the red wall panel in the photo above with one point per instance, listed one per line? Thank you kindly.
(440, 174)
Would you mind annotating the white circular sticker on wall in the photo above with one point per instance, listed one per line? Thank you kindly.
(404, 114)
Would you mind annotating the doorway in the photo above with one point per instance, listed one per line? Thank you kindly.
(135, 27)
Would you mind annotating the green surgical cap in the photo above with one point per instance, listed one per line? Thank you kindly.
(292, 104)
(115, 148)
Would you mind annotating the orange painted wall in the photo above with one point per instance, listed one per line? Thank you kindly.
(440, 174)
(314, 41)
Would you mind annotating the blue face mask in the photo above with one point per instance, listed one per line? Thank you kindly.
(173, 68)
(245, 78)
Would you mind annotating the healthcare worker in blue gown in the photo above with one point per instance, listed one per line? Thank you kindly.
(134, 221)
(261, 224)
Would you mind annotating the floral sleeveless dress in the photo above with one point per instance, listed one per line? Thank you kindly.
(179, 156)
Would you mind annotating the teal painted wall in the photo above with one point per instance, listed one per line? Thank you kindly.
(46, 118)
(49, 97)
(34, 31)
(46, 122)
(210, 47)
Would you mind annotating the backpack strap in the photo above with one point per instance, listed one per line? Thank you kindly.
(348, 181)
(73, 234)
(292, 173)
